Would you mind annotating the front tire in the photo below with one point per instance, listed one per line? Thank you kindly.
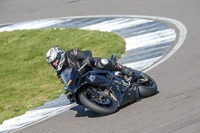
(89, 102)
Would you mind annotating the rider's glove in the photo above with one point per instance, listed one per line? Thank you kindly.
(70, 97)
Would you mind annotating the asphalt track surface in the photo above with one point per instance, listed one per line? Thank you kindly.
(174, 109)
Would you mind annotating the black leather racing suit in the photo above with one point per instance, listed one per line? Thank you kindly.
(74, 57)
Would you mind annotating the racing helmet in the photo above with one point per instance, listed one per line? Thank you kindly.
(56, 57)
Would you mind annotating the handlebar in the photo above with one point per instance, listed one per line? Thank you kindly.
(87, 62)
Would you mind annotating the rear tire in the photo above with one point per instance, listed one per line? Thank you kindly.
(88, 102)
(148, 88)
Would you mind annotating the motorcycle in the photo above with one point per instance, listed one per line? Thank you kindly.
(105, 91)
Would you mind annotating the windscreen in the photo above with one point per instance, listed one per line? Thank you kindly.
(66, 75)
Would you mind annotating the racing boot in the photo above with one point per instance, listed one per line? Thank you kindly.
(128, 73)
(125, 70)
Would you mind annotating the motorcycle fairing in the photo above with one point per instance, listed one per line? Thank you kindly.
(123, 94)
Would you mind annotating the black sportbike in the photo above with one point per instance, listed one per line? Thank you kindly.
(104, 91)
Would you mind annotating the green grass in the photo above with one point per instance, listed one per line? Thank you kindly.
(26, 80)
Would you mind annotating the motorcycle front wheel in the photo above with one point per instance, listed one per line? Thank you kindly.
(104, 105)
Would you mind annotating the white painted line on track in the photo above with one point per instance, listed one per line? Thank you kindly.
(30, 25)
(109, 26)
(140, 64)
(150, 39)
(28, 124)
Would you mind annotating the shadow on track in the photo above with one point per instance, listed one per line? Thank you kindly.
(84, 112)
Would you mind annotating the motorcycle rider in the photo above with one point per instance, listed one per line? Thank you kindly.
(60, 60)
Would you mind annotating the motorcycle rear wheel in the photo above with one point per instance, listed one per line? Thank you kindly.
(148, 88)
(89, 102)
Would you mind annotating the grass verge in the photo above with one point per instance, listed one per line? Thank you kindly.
(26, 80)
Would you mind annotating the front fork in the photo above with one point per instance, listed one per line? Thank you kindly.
(69, 95)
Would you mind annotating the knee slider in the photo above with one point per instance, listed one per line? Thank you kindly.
(104, 64)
